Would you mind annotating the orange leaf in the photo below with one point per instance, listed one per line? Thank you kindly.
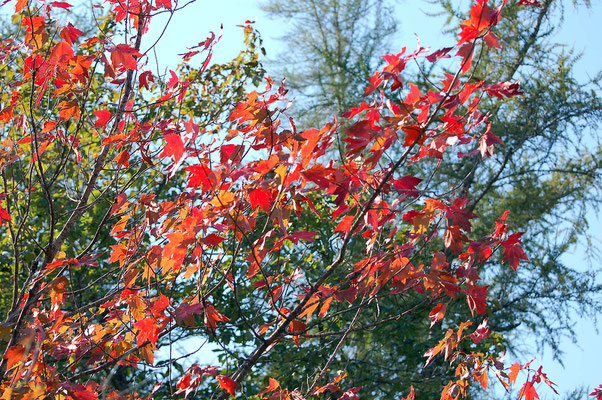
(61, 53)
(226, 383)
(123, 158)
(437, 313)
(274, 385)
(345, 224)
(148, 330)
(14, 355)
(123, 56)
(514, 369)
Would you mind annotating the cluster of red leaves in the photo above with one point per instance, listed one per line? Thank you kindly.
(251, 186)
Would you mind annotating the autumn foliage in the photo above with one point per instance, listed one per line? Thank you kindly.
(135, 219)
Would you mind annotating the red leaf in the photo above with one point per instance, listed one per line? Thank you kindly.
(487, 142)
(481, 332)
(174, 147)
(164, 3)
(513, 250)
(212, 239)
(504, 89)
(82, 394)
(145, 78)
(491, 41)
(61, 4)
(173, 81)
(212, 317)
(61, 53)
(345, 224)
(482, 18)
(103, 117)
(148, 330)
(70, 33)
(302, 235)
(442, 53)
(185, 313)
(261, 198)
(532, 3)
(4, 215)
(226, 383)
(528, 391)
(413, 134)
(123, 158)
(6, 114)
(19, 6)
(200, 176)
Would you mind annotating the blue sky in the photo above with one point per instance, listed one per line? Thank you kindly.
(581, 30)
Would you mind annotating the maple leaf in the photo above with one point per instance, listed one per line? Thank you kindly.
(212, 317)
(487, 142)
(14, 355)
(532, 3)
(528, 391)
(437, 313)
(514, 370)
(482, 18)
(476, 297)
(212, 239)
(228, 384)
(439, 54)
(413, 135)
(61, 53)
(350, 394)
(70, 33)
(185, 313)
(173, 81)
(124, 56)
(273, 385)
(123, 158)
(148, 330)
(69, 109)
(261, 198)
(6, 114)
(513, 250)
(505, 89)
(200, 175)
(480, 333)
(34, 29)
(103, 116)
(83, 394)
(145, 78)
(174, 147)
(61, 4)
(345, 224)
(164, 3)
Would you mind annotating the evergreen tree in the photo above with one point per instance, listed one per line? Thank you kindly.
(332, 46)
